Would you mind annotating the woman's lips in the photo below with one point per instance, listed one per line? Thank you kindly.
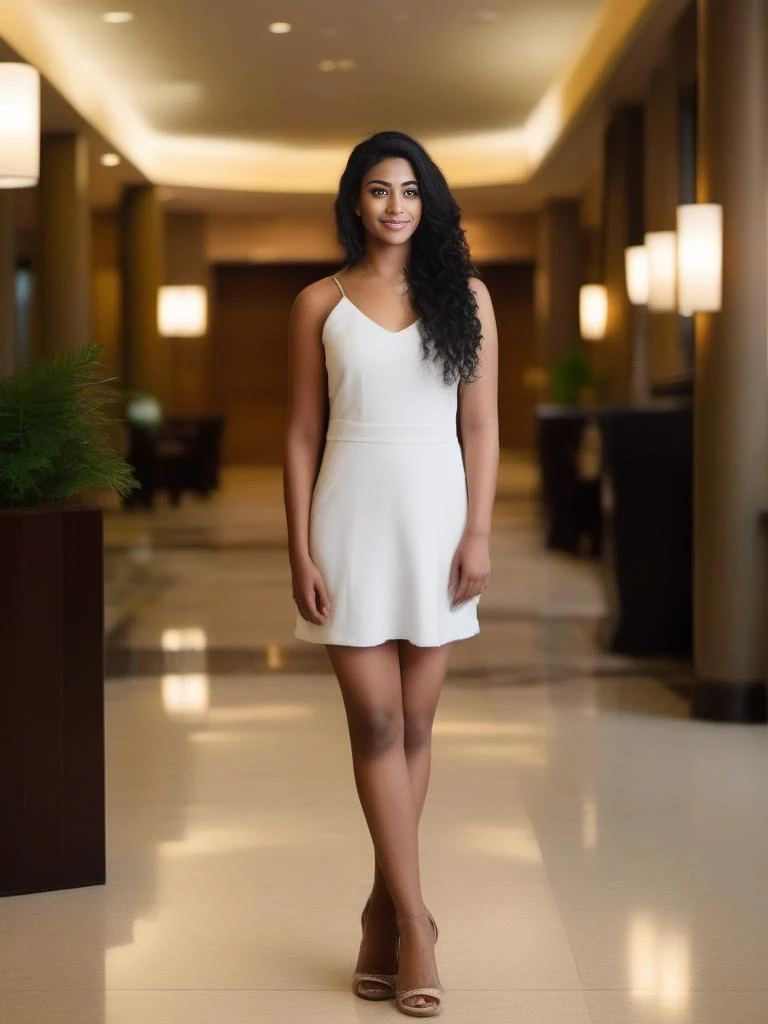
(395, 225)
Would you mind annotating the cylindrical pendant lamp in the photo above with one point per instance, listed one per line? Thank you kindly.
(636, 261)
(182, 311)
(593, 311)
(662, 270)
(19, 125)
(700, 257)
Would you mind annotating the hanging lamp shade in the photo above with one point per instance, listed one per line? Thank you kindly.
(662, 270)
(593, 311)
(182, 311)
(636, 260)
(700, 257)
(19, 125)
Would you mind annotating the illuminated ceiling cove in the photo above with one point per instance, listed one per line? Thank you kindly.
(204, 95)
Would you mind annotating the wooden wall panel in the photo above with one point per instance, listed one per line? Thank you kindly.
(249, 359)
(512, 289)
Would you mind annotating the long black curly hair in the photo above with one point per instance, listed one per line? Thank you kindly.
(439, 265)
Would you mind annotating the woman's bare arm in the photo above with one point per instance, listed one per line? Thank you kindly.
(307, 415)
(479, 421)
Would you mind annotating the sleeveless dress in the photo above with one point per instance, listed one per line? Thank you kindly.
(389, 505)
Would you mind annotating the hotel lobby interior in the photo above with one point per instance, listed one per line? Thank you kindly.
(181, 839)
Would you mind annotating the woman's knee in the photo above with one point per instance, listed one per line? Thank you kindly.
(417, 730)
(376, 730)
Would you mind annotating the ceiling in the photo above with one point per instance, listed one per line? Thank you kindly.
(199, 96)
(203, 68)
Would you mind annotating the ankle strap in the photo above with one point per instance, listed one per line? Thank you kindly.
(411, 917)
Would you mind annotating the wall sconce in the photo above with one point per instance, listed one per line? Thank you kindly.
(636, 263)
(593, 311)
(662, 270)
(182, 311)
(700, 257)
(19, 125)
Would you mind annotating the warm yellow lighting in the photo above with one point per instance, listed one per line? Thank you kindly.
(659, 961)
(118, 17)
(185, 696)
(327, 65)
(109, 159)
(593, 311)
(589, 823)
(279, 28)
(345, 64)
(510, 842)
(700, 257)
(19, 125)
(505, 155)
(662, 270)
(636, 262)
(182, 311)
(192, 639)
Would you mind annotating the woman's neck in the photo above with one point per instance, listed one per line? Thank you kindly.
(386, 261)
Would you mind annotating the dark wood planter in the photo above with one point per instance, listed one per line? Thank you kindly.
(52, 820)
(648, 484)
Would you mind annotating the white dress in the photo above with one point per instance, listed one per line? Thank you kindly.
(390, 502)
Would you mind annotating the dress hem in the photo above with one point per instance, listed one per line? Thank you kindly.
(376, 643)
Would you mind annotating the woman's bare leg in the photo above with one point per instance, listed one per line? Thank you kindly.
(422, 673)
(390, 694)
(369, 678)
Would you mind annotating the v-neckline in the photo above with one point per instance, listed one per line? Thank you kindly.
(380, 326)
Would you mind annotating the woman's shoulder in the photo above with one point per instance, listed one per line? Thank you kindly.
(479, 288)
(316, 296)
(317, 291)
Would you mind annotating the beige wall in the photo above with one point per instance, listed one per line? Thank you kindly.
(105, 285)
(311, 238)
(675, 71)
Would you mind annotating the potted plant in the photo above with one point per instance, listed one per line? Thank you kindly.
(573, 380)
(54, 445)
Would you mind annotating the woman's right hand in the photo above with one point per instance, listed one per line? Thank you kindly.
(310, 593)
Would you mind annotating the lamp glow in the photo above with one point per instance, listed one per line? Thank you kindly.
(636, 261)
(700, 257)
(19, 125)
(182, 311)
(662, 270)
(593, 311)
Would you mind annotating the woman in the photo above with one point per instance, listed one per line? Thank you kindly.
(389, 540)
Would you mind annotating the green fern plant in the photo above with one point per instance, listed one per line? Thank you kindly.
(55, 434)
(570, 374)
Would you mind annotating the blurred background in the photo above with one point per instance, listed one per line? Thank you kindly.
(168, 203)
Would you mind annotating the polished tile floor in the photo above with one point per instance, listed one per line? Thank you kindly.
(591, 854)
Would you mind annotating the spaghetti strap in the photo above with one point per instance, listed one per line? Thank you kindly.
(338, 282)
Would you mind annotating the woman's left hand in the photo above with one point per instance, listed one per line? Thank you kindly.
(470, 568)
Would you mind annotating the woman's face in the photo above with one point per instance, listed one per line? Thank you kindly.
(390, 201)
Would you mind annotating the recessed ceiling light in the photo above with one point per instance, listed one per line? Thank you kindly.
(327, 65)
(118, 17)
(110, 159)
(279, 28)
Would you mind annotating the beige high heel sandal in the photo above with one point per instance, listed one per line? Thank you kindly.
(433, 1009)
(361, 977)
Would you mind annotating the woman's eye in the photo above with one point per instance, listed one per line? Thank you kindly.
(411, 191)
